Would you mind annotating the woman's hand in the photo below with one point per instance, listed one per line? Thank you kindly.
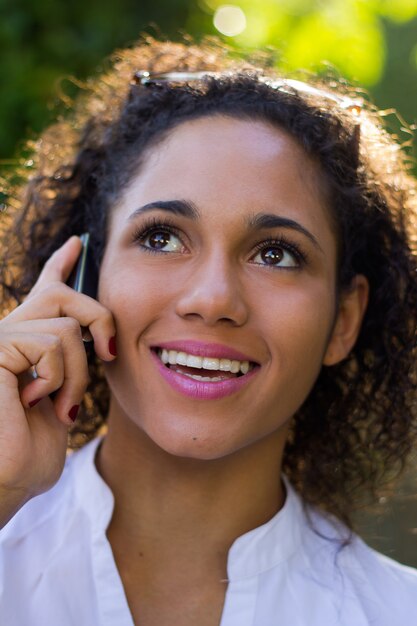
(45, 332)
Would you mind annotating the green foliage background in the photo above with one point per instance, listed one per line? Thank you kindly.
(371, 42)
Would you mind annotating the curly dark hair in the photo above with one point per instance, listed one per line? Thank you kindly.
(358, 424)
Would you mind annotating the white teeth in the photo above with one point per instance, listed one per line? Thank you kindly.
(212, 379)
(244, 367)
(235, 367)
(181, 358)
(194, 361)
(208, 363)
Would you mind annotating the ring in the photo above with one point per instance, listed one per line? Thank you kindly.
(86, 335)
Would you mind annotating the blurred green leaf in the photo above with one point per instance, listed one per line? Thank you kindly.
(357, 50)
(397, 10)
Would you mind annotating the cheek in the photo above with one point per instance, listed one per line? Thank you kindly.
(296, 326)
(298, 322)
(132, 295)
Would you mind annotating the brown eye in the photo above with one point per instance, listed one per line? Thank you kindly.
(272, 256)
(159, 240)
(162, 240)
(276, 254)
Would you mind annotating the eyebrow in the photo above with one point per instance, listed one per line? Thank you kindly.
(269, 220)
(260, 221)
(177, 207)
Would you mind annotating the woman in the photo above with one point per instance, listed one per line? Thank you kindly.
(254, 346)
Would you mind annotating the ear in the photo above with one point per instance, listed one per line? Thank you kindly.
(352, 307)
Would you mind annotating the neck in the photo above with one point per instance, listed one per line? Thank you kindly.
(162, 500)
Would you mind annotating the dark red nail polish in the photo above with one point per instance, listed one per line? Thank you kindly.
(112, 346)
(31, 404)
(73, 412)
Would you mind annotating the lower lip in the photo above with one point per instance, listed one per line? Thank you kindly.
(200, 389)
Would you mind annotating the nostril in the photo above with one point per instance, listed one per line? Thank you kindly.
(209, 304)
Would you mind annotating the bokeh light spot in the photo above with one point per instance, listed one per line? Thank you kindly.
(229, 20)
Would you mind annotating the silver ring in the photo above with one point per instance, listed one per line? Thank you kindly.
(86, 335)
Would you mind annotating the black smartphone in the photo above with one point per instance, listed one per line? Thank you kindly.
(84, 276)
(84, 279)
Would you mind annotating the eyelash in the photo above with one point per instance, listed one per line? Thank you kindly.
(165, 225)
(286, 244)
(152, 225)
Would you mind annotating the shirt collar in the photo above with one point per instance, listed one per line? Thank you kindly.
(275, 541)
(92, 492)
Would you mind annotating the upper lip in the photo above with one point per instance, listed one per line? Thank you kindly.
(200, 348)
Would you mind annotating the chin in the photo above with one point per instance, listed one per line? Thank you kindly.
(191, 443)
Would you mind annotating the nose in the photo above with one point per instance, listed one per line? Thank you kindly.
(213, 293)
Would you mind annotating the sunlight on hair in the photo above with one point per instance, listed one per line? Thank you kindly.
(230, 20)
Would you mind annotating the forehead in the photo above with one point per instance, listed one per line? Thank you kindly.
(231, 165)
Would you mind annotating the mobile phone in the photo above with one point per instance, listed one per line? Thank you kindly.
(84, 279)
(84, 276)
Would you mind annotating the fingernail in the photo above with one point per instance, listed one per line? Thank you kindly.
(31, 404)
(112, 346)
(73, 412)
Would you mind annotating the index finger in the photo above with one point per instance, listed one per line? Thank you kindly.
(59, 266)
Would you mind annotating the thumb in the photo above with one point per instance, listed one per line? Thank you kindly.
(59, 266)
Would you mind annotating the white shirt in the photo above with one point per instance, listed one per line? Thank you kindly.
(57, 566)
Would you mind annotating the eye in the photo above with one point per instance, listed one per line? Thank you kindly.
(155, 236)
(278, 254)
(162, 240)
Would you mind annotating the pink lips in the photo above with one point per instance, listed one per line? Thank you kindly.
(198, 389)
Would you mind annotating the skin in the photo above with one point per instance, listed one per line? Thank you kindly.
(188, 475)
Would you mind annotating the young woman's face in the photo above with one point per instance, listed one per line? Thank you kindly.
(220, 248)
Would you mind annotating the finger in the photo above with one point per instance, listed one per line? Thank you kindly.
(59, 300)
(23, 350)
(61, 364)
(69, 376)
(59, 266)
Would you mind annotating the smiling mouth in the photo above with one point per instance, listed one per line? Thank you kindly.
(207, 369)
